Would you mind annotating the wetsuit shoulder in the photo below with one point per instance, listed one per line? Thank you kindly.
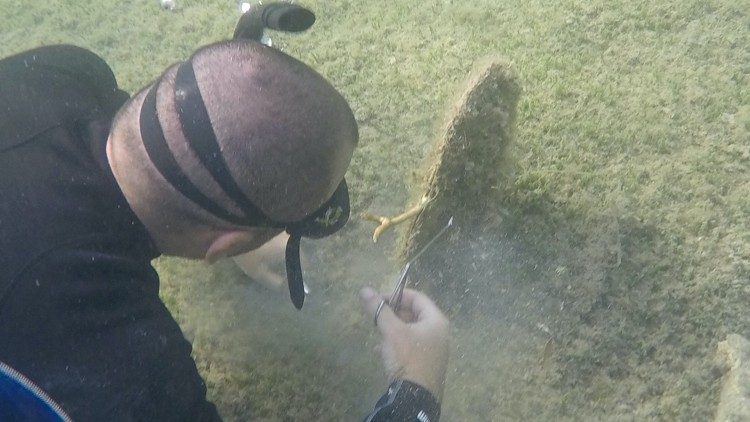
(78, 63)
(48, 86)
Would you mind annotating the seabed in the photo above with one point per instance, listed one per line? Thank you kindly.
(607, 262)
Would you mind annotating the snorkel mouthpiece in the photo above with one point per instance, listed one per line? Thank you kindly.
(201, 138)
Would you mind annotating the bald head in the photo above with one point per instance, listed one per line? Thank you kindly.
(285, 134)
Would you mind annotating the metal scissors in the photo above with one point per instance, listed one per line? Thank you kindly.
(398, 291)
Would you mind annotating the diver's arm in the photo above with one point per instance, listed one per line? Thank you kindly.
(415, 355)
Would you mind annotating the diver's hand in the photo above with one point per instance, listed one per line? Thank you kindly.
(266, 265)
(415, 339)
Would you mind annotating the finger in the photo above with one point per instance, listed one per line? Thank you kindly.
(421, 306)
(403, 313)
(371, 300)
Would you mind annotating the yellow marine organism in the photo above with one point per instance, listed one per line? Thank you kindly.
(386, 222)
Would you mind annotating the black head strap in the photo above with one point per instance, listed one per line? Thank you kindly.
(160, 155)
(196, 125)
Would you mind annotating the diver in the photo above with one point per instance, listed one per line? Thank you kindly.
(223, 152)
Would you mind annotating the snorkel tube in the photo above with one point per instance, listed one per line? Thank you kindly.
(288, 17)
(280, 16)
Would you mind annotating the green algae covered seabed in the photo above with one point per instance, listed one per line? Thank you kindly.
(629, 201)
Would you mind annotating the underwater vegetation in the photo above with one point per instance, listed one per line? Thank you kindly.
(619, 255)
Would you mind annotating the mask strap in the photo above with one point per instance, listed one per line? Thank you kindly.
(196, 125)
(160, 155)
(294, 271)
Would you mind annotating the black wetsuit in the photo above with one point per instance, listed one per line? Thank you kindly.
(80, 313)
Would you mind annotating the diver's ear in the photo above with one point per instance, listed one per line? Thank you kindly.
(228, 244)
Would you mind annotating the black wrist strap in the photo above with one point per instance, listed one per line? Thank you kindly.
(406, 401)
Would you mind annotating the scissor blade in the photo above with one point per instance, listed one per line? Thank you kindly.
(434, 238)
(398, 290)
